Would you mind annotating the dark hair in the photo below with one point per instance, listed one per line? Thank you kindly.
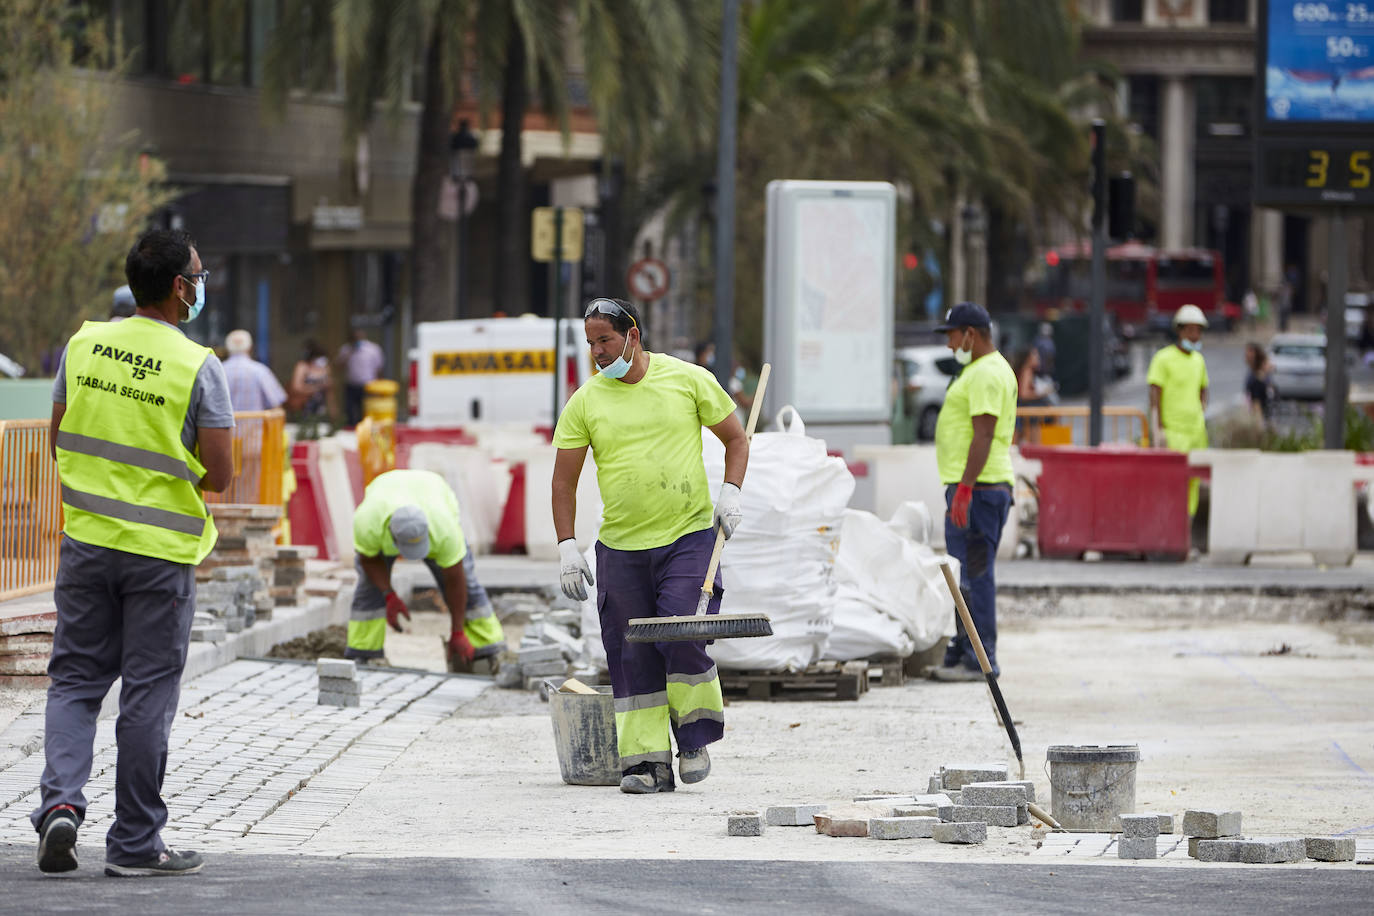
(620, 323)
(1254, 356)
(156, 260)
(1023, 356)
(312, 349)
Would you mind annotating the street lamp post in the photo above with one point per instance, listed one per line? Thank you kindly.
(462, 147)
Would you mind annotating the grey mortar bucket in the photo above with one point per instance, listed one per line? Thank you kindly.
(584, 734)
(1091, 786)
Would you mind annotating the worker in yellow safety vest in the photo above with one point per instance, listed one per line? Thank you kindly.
(1178, 392)
(414, 514)
(141, 425)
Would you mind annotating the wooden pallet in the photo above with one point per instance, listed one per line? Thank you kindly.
(820, 681)
(891, 670)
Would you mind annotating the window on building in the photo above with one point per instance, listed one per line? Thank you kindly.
(1142, 103)
(1224, 106)
(1228, 11)
(1127, 10)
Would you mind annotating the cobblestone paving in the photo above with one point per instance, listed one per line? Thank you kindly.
(254, 764)
(1172, 847)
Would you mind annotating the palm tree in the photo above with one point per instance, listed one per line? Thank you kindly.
(637, 56)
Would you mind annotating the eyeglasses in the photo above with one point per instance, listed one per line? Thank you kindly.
(608, 307)
(200, 276)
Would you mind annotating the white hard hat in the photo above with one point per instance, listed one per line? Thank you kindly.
(1189, 314)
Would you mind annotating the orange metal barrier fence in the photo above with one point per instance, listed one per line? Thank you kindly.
(30, 509)
(1068, 425)
(31, 502)
(259, 456)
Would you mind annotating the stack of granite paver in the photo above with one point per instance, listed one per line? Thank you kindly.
(25, 644)
(339, 683)
(288, 575)
(1215, 836)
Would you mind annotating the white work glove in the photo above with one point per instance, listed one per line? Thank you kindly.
(728, 513)
(574, 570)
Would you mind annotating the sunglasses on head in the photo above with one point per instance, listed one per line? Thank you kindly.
(608, 307)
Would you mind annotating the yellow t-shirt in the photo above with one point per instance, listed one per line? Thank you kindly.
(646, 439)
(987, 386)
(394, 489)
(1181, 377)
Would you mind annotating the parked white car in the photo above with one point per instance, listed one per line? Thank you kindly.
(1299, 362)
(926, 372)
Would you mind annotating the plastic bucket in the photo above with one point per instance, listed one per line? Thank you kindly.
(1092, 786)
(584, 734)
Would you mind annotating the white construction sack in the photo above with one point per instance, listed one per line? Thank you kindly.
(892, 597)
(780, 560)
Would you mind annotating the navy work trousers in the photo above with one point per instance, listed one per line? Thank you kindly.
(659, 582)
(127, 616)
(975, 547)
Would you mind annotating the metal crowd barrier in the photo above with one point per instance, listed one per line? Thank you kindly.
(30, 509)
(31, 502)
(1068, 425)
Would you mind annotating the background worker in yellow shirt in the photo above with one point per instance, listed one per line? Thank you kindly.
(1178, 392)
(642, 415)
(973, 453)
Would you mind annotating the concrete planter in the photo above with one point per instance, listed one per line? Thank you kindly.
(1269, 502)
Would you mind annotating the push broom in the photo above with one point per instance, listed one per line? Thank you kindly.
(702, 626)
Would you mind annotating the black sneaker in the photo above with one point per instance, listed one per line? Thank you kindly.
(647, 778)
(169, 863)
(57, 841)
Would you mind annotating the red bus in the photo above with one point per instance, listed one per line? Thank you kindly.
(1145, 285)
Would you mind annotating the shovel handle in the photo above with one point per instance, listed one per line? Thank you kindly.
(964, 615)
(754, 410)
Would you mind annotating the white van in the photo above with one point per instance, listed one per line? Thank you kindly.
(495, 370)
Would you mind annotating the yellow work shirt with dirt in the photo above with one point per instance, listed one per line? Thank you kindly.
(646, 439)
(986, 387)
(1181, 377)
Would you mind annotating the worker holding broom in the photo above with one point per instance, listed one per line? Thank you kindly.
(642, 416)
(973, 454)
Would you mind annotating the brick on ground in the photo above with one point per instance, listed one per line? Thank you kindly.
(990, 815)
(955, 776)
(1137, 847)
(338, 699)
(1166, 823)
(901, 828)
(20, 624)
(851, 821)
(963, 832)
(336, 667)
(792, 815)
(1211, 824)
(998, 795)
(916, 811)
(346, 685)
(1331, 848)
(745, 823)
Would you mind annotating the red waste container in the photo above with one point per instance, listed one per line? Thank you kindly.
(1112, 499)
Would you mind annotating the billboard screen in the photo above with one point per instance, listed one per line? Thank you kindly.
(1319, 63)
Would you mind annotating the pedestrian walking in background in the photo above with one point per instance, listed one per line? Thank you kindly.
(414, 514)
(1178, 392)
(1044, 348)
(362, 362)
(252, 386)
(141, 425)
(1259, 383)
(312, 385)
(973, 453)
(642, 415)
(1030, 392)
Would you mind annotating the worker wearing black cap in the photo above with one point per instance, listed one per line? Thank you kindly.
(973, 453)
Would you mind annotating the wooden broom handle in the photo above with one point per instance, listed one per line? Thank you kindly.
(966, 618)
(754, 409)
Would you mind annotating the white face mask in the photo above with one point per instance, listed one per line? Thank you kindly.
(961, 356)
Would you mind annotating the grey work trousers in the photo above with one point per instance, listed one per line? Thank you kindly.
(118, 615)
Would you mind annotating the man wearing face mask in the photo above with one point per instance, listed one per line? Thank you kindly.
(973, 453)
(642, 417)
(1178, 392)
(141, 425)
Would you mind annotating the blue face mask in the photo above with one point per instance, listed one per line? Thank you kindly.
(194, 308)
(1189, 345)
(619, 367)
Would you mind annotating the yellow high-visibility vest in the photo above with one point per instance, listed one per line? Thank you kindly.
(128, 482)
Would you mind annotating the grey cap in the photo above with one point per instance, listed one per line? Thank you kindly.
(123, 305)
(410, 531)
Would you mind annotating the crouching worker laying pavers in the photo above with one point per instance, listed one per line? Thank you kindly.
(414, 514)
(642, 416)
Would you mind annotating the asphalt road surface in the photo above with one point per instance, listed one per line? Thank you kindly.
(305, 886)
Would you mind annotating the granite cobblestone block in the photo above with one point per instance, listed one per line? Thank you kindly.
(1139, 825)
(792, 815)
(994, 795)
(901, 828)
(990, 815)
(1137, 847)
(969, 832)
(1211, 824)
(1330, 848)
(745, 823)
(955, 777)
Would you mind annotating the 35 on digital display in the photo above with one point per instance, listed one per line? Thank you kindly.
(1319, 173)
